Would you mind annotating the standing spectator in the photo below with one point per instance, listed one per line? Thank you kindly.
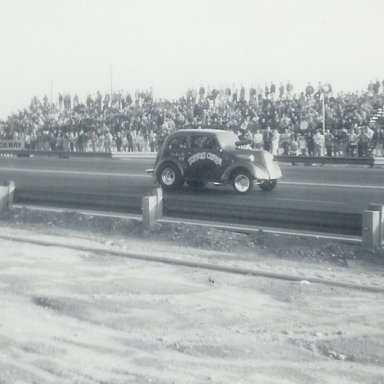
(93, 141)
(72, 141)
(281, 91)
(273, 90)
(289, 88)
(27, 141)
(75, 101)
(353, 138)
(329, 142)
(33, 141)
(342, 140)
(294, 146)
(100, 143)
(152, 141)
(266, 90)
(124, 141)
(376, 87)
(140, 141)
(66, 143)
(108, 142)
(130, 141)
(106, 101)
(79, 142)
(275, 142)
(98, 101)
(257, 139)
(363, 143)
(89, 101)
(242, 93)
(285, 139)
(252, 95)
(134, 141)
(119, 142)
(201, 93)
(370, 88)
(267, 139)
(302, 145)
(309, 91)
(318, 141)
(378, 141)
(310, 144)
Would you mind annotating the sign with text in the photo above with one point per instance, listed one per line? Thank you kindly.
(11, 144)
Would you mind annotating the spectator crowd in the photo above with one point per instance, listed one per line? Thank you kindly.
(274, 117)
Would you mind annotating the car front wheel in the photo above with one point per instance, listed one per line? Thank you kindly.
(242, 182)
(268, 185)
(170, 177)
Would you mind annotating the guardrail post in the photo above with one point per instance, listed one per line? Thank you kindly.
(380, 209)
(158, 192)
(6, 196)
(149, 208)
(371, 227)
(11, 194)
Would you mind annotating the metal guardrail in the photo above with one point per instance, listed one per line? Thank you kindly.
(368, 161)
(60, 154)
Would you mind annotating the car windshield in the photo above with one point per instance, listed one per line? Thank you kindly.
(227, 139)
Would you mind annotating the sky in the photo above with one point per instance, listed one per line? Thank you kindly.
(81, 46)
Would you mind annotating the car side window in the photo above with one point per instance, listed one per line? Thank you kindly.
(178, 143)
(203, 141)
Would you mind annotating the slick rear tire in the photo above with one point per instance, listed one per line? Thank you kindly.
(169, 177)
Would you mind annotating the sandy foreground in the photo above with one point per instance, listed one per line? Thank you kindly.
(77, 316)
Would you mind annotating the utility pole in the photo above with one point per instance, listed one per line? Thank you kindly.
(323, 97)
(110, 70)
(51, 91)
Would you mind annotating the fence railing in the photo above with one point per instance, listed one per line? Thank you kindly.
(368, 161)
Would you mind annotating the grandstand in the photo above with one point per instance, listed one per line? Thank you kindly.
(124, 122)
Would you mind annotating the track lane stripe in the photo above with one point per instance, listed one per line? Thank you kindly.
(114, 174)
(84, 173)
(299, 183)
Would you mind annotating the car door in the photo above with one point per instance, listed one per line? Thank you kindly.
(204, 157)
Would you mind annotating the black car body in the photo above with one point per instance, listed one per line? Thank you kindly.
(199, 156)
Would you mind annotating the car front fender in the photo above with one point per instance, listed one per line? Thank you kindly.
(255, 170)
(274, 171)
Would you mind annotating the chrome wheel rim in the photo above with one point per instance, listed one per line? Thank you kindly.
(168, 176)
(242, 183)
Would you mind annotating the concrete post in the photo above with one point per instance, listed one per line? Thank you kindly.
(379, 208)
(6, 196)
(3, 200)
(11, 194)
(371, 226)
(158, 192)
(149, 208)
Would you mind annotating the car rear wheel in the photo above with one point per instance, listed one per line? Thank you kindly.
(242, 182)
(268, 185)
(170, 177)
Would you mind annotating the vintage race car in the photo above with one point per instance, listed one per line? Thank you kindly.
(199, 156)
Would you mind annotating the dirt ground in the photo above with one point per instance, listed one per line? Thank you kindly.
(76, 312)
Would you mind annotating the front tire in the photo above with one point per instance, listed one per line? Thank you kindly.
(268, 185)
(242, 182)
(170, 177)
